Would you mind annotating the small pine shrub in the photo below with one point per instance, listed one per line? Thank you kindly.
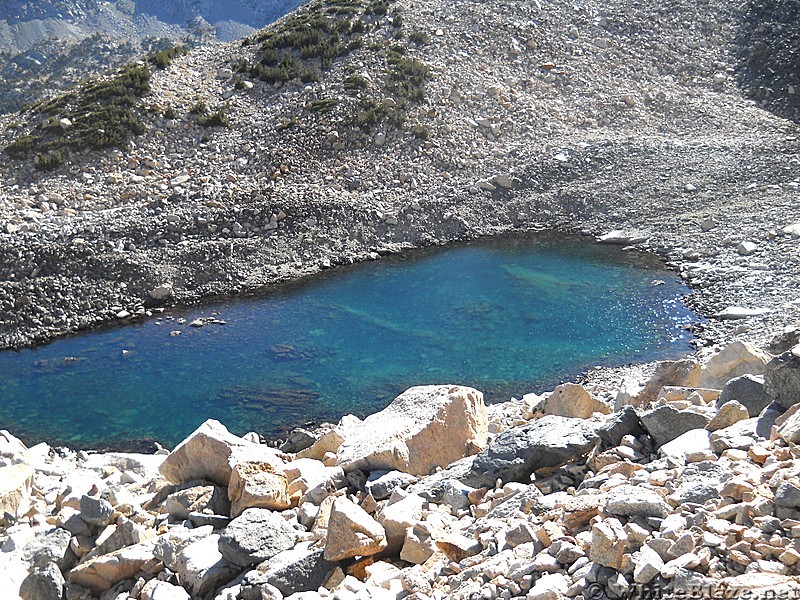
(21, 147)
(419, 37)
(48, 161)
(164, 58)
(218, 118)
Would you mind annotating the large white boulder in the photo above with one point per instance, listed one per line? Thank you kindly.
(423, 428)
(15, 490)
(572, 400)
(734, 360)
(210, 453)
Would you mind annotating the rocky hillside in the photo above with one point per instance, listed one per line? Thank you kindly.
(683, 483)
(356, 127)
(49, 45)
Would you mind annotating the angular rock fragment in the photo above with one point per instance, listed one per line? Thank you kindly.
(352, 532)
(255, 536)
(424, 428)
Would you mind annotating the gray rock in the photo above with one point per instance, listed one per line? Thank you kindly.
(785, 340)
(43, 583)
(739, 436)
(455, 495)
(766, 419)
(297, 440)
(433, 487)
(297, 570)
(52, 547)
(665, 423)
(96, 511)
(788, 495)
(381, 484)
(547, 442)
(782, 378)
(635, 501)
(624, 422)
(256, 535)
(698, 493)
(747, 390)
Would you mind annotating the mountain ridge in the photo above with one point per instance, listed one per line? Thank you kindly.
(596, 118)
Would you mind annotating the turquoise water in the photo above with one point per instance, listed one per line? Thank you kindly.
(508, 316)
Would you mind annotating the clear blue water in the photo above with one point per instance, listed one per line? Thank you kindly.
(508, 316)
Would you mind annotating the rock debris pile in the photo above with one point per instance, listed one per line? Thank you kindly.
(684, 482)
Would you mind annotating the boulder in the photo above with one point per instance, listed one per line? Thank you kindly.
(352, 532)
(782, 342)
(635, 501)
(739, 436)
(198, 498)
(789, 427)
(550, 586)
(609, 544)
(747, 390)
(96, 511)
(782, 378)
(665, 423)
(257, 485)
(15, 490)
(729, 413)
(734, 360)
(161, 292)
(397, 518)
(115, 537)
(545, 443)
(648, 565)
(100, 573)
(202, 568)
(210, 453)
(312, 481)
(767, 418)
(760, 586)
(50, 547)
(572, 400)
(156, 589)
(381, 484)
(298, 569)
(43, 583)
(691, 446)
(682, 373)
(424, 428)
(255, 536)
(621, 423)
(331, 438)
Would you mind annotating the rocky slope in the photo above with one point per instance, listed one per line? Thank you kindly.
(49, 45)
(423, 124)
(681, 484)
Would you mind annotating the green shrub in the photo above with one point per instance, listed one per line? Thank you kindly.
(354, 82)
(47, 161)
(419, 37)
(420, 132)
(164, 58)
(324, 105)
(218, 118)
(21, 147)
(199, 108)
